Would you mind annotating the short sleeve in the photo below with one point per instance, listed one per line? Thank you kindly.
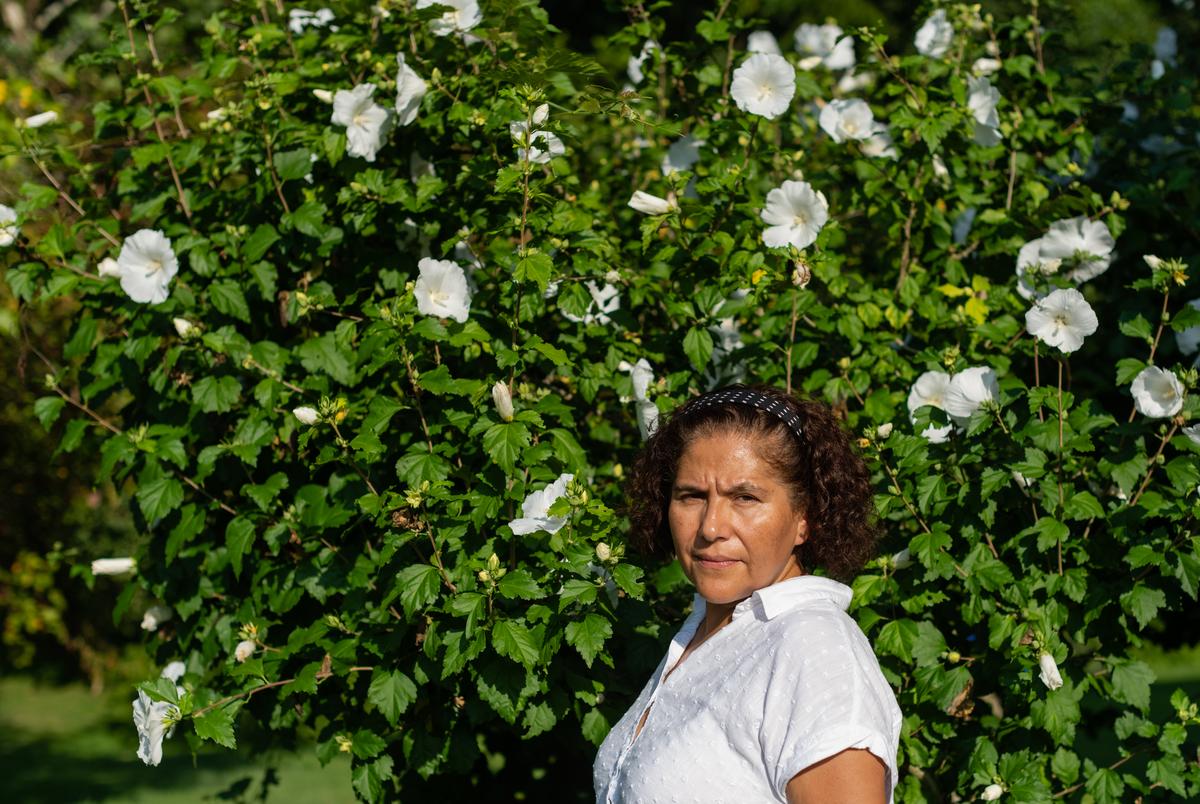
(827, 694)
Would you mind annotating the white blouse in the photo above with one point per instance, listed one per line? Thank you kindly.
(789, 682)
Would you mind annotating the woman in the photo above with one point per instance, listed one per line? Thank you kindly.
(769, 692)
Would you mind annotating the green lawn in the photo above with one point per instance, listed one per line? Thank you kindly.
(61, 744)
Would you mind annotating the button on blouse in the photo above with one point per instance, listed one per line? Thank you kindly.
(790, 681)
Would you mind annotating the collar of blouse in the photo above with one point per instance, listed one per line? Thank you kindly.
(784, 596)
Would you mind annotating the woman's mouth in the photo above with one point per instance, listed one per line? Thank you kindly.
(714, 562)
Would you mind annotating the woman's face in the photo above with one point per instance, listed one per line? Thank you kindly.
(732, 519)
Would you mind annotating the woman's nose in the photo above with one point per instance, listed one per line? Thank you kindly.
(715, 524)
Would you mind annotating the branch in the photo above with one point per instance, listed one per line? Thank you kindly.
(321, 676)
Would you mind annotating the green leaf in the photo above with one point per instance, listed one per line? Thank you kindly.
(216, 394)
(595, 727)
(159, 497)
(515, 641)
(392, 692)
(505, 442)
(1083, 505)
(698, 346)
(239, 535)
(589, 635)
(309, 219)
(1131, 683)
(538, 719)
(47, 409)
(417, 586)
(535, 267)
(216, 725)
(897, 638)
(227, 296)
(1143, 603)
(1065, 765)
(263, 237)
(1057, 713)
(519, 583)
(291, 165)
(1106, 786)
(366, 744)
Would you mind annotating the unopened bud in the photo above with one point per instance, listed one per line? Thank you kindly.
(183, 326)
(323, 95)
(109, 267)
(954, 656)
(305, 415)
(883, 431)
(484, 576)
(603, 551)
(540, 114)
(503, 399)
(801, 274)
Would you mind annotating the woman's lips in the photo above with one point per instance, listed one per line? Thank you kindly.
(715, 562)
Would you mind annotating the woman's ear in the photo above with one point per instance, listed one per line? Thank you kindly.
(801, 531)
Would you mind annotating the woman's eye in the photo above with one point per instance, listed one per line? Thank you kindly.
(747, 498)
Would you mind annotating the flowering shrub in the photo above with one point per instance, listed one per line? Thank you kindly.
(372, 370)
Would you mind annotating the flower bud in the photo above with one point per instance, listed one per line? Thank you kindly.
(883, 431)
(1154, 262)
(109, 267)
(244, 650)
(113, 566)
(651, 204)
(1049, 671)
(603, 551)
(38, 120)
(183, 326)
(305, 415)
(540, 114)
(801, 274)
(484, 576)
(954, 657)
(503, 399)
(992, 792)
(155, 616)
(902, 559)
(323, 95)
(493, 562)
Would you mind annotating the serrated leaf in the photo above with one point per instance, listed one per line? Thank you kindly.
(239, 535)
(589, 635)
(505, 442)
(1131, 683)
(47, 409)
(216, 725)
(417, 586)
(1143, 603)
(515, 641)
(698, 346)
(227, 296)
(519, 583)
(159, 497)
(216, 394)
(392, 692)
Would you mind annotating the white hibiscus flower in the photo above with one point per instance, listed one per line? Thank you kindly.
(1166, 47)
(1062, 319)
(1193, 433)
(244, 650)
(365, 120)
(634, 67)
(824, 44)
(1084, 246)
(542, 145)
(174, 671)
(9, 231)
(930, 390)
(992, 792)
(982, 99)
(300, 18)
(155, 616)
(971, 389)
(38, 120)
(763, 84)
(763, 42)
(682, 154)
(935, 36)
(1157, 393)
(153, 720)
(605, 299)
(441, 290)
(536, 509)
(647, 416)
(146, 264)
(462, 16)
(795, 213)
(848, 119)
(410, 88)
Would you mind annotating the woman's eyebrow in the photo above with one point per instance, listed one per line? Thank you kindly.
(745, 487)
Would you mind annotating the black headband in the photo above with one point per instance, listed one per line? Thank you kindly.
(745, 396)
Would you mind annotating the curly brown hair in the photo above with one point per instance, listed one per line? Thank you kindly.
(830, 482)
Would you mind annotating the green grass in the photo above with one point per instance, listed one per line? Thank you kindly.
(62, 744)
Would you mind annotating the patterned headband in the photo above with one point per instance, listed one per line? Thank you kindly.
(745, 396)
